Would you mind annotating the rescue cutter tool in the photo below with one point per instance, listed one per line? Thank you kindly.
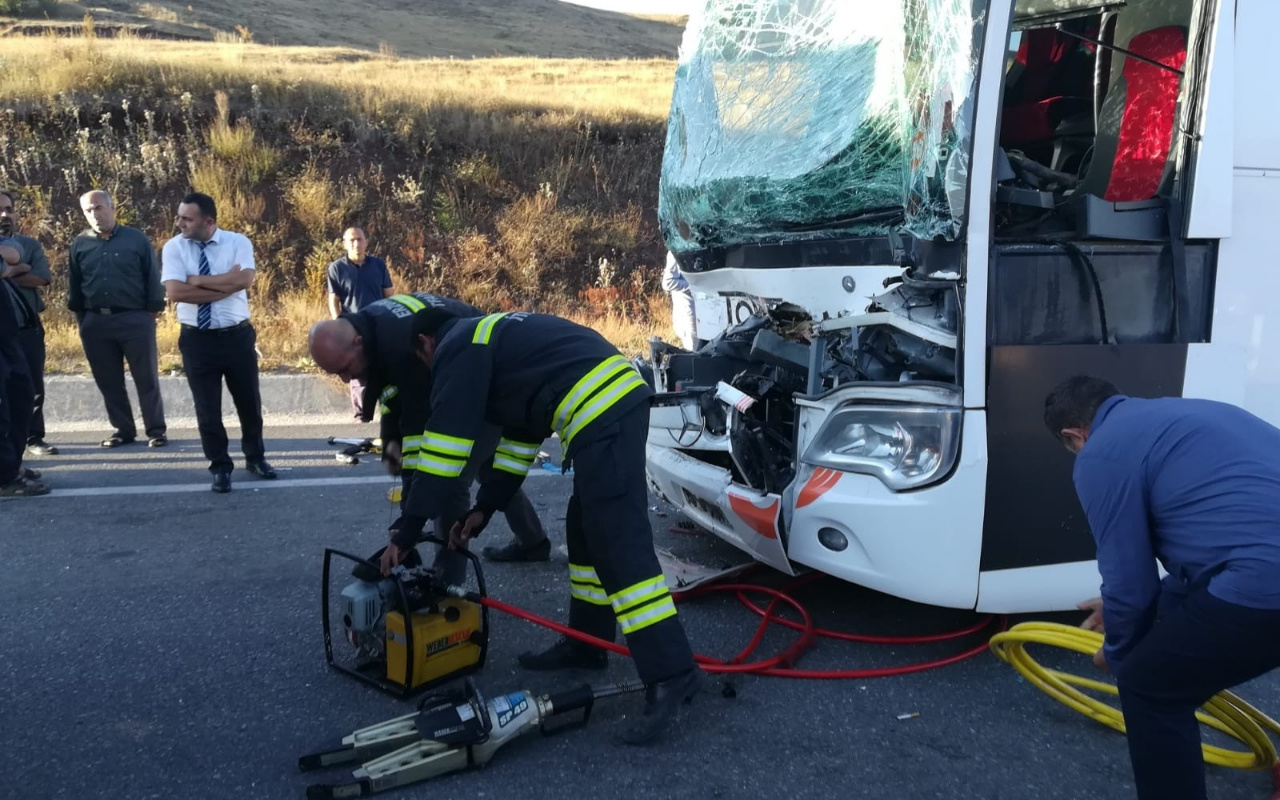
(452, 731)
(355, 447)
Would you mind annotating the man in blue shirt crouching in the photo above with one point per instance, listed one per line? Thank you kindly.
(1196, 485)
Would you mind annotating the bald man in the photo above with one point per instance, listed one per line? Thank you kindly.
(114, 290)
(375, 346)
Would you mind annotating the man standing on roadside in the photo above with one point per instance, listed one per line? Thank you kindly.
(355, 281)
(30, 338)
(207, 272)
(15, 382)
(114, 289)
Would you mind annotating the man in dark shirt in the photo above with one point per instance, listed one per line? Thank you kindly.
(15, 382)
(1194, 484)
(355, 281)
(114, 289)
(30, 338)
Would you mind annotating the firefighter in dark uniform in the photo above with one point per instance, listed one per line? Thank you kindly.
(374, 346)
(17, 393)
(535, 374)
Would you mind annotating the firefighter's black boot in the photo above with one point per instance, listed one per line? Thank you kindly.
(566, 654)
(661, 700)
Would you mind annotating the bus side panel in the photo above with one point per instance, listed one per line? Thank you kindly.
(1033, 517)
(1242, 364)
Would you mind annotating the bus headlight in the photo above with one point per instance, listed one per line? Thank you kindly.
(904, 446)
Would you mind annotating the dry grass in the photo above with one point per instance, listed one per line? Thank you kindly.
(511, 183)
(440, 28)
(611, 91)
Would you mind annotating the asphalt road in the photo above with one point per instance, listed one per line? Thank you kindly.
(160, 641)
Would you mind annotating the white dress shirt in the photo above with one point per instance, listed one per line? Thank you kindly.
(180, 259)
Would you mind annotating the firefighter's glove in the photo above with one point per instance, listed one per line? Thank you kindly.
(468, 528)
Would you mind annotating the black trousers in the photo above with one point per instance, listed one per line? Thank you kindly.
(111, 339)
(1199, 647)
(31, 340)
(614, 575)
(15, 410)
(209, 357)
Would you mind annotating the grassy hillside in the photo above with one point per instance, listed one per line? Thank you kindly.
(411, 28)
(512, 183)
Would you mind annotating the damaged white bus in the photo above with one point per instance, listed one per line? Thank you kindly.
(917, 216)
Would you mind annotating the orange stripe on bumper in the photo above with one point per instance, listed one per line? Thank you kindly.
(763, 521)
(818, 484)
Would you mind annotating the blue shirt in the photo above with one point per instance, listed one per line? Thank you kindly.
(1193, 483)
(358, 285)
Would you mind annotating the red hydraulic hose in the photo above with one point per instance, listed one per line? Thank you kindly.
(781, 665)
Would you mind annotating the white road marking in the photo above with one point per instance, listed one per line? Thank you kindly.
(240, 486)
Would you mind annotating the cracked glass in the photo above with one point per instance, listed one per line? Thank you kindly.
(810, 119)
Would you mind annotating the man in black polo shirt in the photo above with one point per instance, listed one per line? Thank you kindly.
(356, 280)
(114, 289)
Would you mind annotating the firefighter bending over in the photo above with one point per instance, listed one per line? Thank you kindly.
(374, 347)
(532, 374)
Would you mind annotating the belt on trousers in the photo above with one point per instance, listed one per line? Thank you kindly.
(244, 323)
(111, 310)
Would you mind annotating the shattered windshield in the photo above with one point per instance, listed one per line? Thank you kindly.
(804, 119)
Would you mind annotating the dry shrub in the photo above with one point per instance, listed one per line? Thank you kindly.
(477, 270)
(238, 206)
(315, 267)
(237, 146)
(540, 241)
(322, 205)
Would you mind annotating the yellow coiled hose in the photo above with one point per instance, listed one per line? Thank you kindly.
(1224, 712)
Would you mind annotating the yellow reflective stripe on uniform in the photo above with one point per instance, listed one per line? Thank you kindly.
(585, 386)
(583, 574)
(518, 449)
(410, 444)
(648, 615)
(588, 593)
(446, 445)
(599, 405)
(484, 328)
(409, 301)
(639, 593)
(385, 398)
(436, 465)
(514, 457)
(507, 464)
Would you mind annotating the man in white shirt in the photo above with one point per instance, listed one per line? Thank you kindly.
(207, 271)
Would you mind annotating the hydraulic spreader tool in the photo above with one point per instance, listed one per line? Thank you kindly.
(409, 632)
(451, 731)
